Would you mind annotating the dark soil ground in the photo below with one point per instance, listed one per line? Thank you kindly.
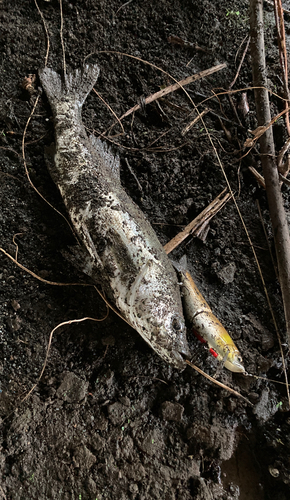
(109, 418)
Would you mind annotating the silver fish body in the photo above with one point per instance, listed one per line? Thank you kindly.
(124, 253)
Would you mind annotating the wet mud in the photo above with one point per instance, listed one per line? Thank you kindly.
(109, 419)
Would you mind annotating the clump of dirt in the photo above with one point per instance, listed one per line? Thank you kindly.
(109, 419)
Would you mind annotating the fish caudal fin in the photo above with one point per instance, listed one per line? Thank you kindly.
(74, 86)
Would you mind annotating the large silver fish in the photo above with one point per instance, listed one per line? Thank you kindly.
(124, 253)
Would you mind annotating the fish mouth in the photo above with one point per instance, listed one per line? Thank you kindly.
(180, 356)
(235, 366)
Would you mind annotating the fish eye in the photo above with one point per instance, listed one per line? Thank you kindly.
(239, 359)
(176, 324)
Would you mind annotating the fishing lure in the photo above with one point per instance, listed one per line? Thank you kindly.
(207, 328)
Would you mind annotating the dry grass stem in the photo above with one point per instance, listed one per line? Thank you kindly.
(46, 33)
(176, 86)
(191, 124)
(69, 322)
(270, 171)
(205, 216)
(111, 110)
(61, 38)
(260, 179)
(279, 17)
(241, 63)
(220, 384)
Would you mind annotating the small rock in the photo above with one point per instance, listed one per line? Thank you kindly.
(266, 407)
(15, 305)
(108, 341)
(274, 472)
(117, 413)
(227, 273)
(101, 423)
(14, 323)
(263, 364)
(72, 389)
(125, 401)
(97, 442)
(172, 411)
(215, 438)
(153, 443)
(83, 457)
(134, 471)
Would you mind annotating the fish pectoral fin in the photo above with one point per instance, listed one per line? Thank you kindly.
(80, 259)
(106, 157)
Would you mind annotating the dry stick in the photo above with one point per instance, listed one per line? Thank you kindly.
(46, 33)
(2, 493)
(240, 65)
(259, 178)
(112, 111)
(193, 122)
(176, 86)
(220, 384)
(270, 171)
(69, 322)
(278, 10)
(61, 38)
(267, 239)
(205, 215)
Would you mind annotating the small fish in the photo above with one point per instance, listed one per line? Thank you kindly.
(208, 327)
(122, 252)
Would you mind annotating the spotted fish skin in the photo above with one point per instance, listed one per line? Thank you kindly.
(122, 251)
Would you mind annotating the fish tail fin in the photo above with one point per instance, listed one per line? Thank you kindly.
(74, 86)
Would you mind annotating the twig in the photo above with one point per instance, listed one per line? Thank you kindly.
(267, 239)
(61, 38)
(241, 62)
(46, 33)
(278, 10)
(176, 40)
(112, 111)
(176, 86)
(220, 384)
(134, 175)
(2, 493)
(260, 179)
(193, 122)
(276, 209)
(69, 322)
(122, 6)
(194, 225)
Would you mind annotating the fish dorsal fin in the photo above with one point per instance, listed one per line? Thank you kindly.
(106, 156)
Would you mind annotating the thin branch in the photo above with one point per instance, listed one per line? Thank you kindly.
(176, 86)
(194, 225)
(270, 171)
(279, 17)
(46, 33)
(61, 38)
(220, 384)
